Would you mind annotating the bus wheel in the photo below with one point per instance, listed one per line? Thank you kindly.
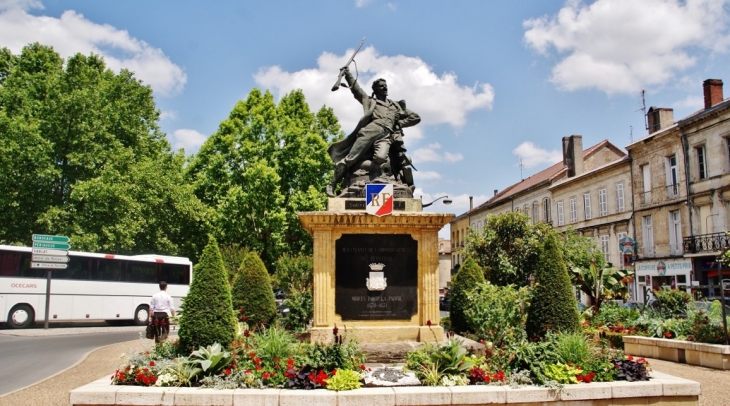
(141, 315)
(21, 316)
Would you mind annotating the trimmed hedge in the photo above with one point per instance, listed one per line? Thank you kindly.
(553, 306)
(207, 315)
(252, 292)
(469, 276)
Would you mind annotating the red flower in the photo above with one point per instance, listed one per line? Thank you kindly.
(152, 363)
(428, 323)
(258, 367)
(266, 375)
(362, 367)
(335, 330)
(227, 371)
(251, 355)
(257, 361)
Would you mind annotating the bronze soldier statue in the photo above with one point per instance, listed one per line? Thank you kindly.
(374, 151)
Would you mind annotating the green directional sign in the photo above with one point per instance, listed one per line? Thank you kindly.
(50, 238)
(52, 245)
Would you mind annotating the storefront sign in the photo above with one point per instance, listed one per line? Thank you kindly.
(667, 267)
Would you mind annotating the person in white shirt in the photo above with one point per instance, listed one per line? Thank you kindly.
(161, 308)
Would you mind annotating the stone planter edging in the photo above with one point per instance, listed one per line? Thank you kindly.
(707, 355)
(661, 389)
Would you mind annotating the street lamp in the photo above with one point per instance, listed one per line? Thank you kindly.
(446, 201)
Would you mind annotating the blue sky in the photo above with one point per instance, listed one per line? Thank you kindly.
(495, 82)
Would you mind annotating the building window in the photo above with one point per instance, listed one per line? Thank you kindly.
(602, 203)
(646, 176)
(587, 205)
(672, 179)
(561, 218)
(535, 213)
(648, 236)
(619, 197)
(546, 210)
(701, 162)
(605, 248)
(675, 233)
(573, 211)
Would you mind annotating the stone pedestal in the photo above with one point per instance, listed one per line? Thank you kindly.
(376, 278)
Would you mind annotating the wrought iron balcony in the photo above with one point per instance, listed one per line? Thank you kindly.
(706, 243)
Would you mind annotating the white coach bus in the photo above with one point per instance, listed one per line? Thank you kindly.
(92, 287)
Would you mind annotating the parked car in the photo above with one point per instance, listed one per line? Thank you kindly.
(444, 303)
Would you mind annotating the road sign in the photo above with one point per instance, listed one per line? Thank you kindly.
(45, 251)
(48, 265)
(50, 258)
(52, 245)
(50, 238)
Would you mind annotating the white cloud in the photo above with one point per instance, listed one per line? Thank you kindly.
(72, 33)
(532, 155)
(409, 78)
(426, 175)
(622, 46)
(168, 115)
(691, 102)
(191, 140)
(362, 3)
(430, 153)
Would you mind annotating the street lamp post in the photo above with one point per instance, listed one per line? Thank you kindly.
(722, 297)
(446, 201)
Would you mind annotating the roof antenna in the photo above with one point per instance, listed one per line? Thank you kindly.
(643, 109)
(521, 166)
(631, 134)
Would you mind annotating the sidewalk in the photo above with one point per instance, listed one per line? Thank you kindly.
(104, 361)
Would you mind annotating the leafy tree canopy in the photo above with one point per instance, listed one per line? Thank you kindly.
(82, 155)
(266, 162)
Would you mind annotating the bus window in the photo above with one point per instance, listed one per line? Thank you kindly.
(108, 270)
(141, 272)
(10, 263)
(79, 268)
(174, 274)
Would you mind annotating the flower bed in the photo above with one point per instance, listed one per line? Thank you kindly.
(690, 352)
(662, 389)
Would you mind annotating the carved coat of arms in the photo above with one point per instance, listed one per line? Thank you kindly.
(377, 280)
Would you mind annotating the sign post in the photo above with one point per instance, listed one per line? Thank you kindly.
(49, 252)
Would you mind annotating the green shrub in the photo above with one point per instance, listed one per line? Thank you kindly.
(207, 317)
(671, 302)
(233, 255)
(706, 330)
(497, 314)
(252, 292)
(615, 340)
(273, 343)
(294, 275)
(612, 314)
(552, 307)
(469, 276)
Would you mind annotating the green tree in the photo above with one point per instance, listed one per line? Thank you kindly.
(207, 311)
(294, 275)
(553, 307)
(265, 163)
(77, 135)
(470, 275)
(252, 292)
(507, 248)
(580, 251)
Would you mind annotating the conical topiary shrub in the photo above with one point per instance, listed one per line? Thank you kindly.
(207, 313)
(252, 292)
(553, 306)
(469, 276)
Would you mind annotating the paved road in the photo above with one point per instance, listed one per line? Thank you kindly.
(27, 359)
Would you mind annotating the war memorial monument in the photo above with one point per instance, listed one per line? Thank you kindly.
(375, 250)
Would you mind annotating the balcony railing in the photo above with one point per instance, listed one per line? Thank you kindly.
(673, 190)
(706, 243)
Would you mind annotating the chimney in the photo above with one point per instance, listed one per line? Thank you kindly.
(713, 92)
(660, 118)
(495, 192)
(471, 202)
(573, 154)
